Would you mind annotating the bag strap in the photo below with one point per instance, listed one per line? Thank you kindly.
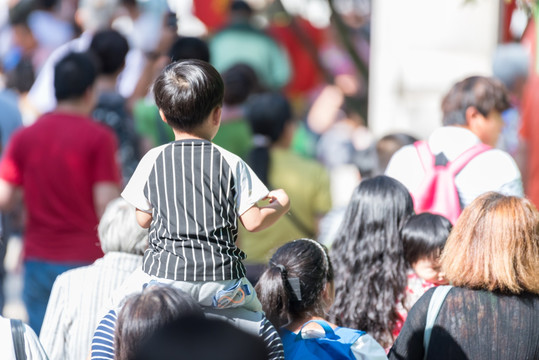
(435, 304)
(17, 332)
(327, 329)
(297, 222)
(463, 159)
(425, 155)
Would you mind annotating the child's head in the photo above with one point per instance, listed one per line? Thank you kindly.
(298, 284)
(424, 236)
(144, 313)
(187, 92)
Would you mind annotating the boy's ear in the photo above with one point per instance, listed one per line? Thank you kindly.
(216, 115)
(162, 115)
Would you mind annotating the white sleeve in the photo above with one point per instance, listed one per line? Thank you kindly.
(250, 189)
(366, 348)
(133, 192)
(34, 350)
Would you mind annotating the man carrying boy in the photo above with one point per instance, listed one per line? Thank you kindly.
(190, 193)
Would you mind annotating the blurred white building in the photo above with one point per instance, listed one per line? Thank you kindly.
(419, 48)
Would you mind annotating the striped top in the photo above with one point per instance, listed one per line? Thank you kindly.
(76, 304)
(195, 191)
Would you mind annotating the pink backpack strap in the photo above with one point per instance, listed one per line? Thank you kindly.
(463, 159)
(425, 155)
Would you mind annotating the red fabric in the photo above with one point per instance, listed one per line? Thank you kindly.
(529, 130)
(212, 13)
(57, 161)
(305, 74)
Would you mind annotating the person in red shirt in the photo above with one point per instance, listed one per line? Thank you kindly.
(65, 164)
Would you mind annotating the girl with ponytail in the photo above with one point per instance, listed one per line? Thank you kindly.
(296, 291)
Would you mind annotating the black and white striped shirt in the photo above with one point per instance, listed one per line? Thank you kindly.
(195, 191)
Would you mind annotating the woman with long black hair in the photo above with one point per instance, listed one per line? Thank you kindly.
(368, 256)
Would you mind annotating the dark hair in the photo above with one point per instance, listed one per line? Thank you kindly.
(110, 48)
(187, 92)
(191, 338)
(187, 48)
(424, 236)
(74, 75)
(483, 93)
(21, 78)
(239, 6)
(370, 269)
(305, 260)
(388, 145)
(267, 114)
(240, 82)
(144, 313)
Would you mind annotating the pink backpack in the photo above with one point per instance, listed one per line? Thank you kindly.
(438, 193)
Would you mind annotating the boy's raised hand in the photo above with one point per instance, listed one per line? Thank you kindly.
(259, 218)
(279, 197)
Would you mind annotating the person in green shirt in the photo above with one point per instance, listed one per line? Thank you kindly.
(305, 180)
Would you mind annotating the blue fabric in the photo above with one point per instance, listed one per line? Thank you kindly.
(39, 277)
(336, 344)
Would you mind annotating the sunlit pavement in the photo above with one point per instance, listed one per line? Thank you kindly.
(14, 307)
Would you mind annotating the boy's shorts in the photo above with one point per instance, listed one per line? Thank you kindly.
(227, 294)
(224, 294)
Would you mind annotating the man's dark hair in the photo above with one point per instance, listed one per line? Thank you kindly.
(186, 48)
(110, 48)
(483, 93)
(187, 91)
(424, 236)
(73, 75)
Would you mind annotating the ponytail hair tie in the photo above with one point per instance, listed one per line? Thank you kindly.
(281, 268)
(293, 283)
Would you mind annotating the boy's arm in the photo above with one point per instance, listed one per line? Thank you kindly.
(143, 218)
(258, 218)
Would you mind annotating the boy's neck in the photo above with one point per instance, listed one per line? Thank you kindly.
(182, 135)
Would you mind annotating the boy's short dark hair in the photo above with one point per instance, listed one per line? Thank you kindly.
(424, 236)
(187, 91)
(483, 93)
(73, 75)
(110, 48)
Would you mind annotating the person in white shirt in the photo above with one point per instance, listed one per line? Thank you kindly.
(471, 115)
(80, 296)
(32, 346)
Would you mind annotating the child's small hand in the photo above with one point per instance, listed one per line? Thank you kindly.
(279, 197)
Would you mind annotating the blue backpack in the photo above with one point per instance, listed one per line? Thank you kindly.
(336, 344)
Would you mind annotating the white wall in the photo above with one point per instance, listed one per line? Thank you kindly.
(419, 49)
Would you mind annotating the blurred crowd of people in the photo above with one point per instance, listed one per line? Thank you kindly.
(80, 107)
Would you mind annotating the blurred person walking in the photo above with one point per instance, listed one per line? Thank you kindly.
(306, 181)
(241, 42)
(65, 164)
(471, 116)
